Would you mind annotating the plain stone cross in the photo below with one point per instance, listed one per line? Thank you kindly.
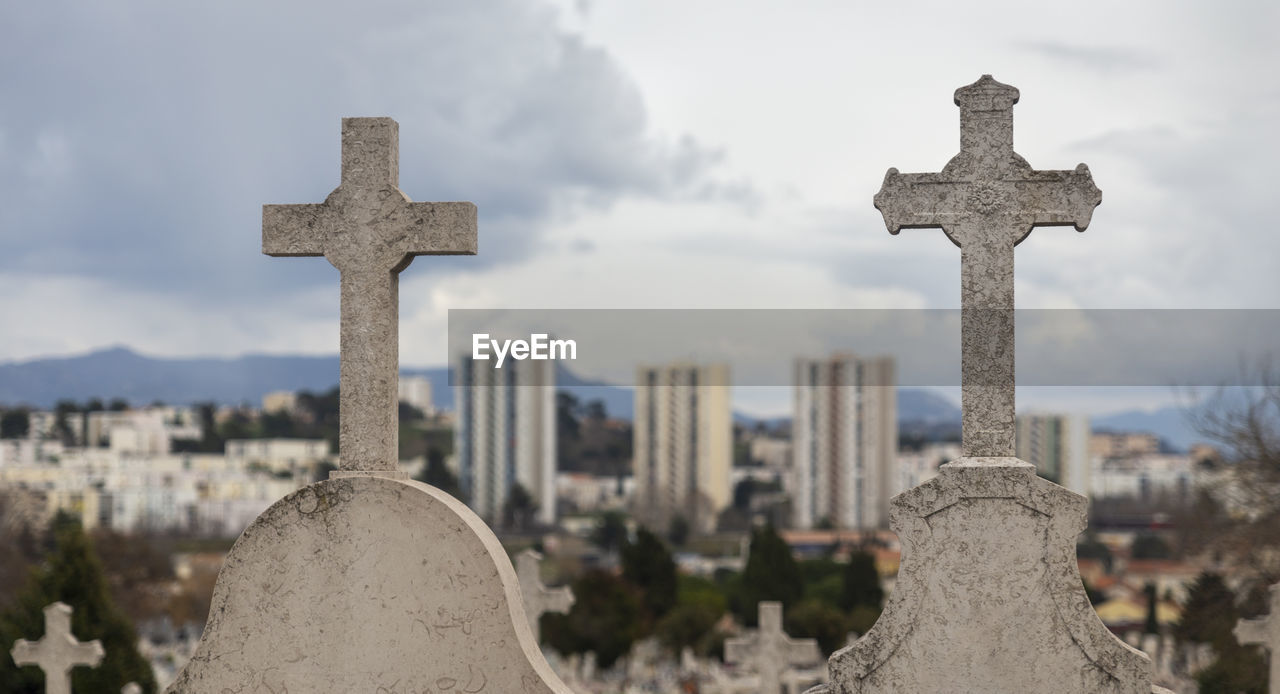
(771, 649)
(370, 231)
(987, 199)
(539, 599)
(1265, 632)
(57, 651)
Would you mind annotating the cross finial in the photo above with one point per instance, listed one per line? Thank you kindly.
(370, 231)
(987, 199)
(539, 599)
(1265, 631)
(57, 651)
(770, 648)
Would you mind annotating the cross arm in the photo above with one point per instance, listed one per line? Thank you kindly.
(438, 228)
(917, 201)
(1058, 198)
(803, 651)
(294, 230)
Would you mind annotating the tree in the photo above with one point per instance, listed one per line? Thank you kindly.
(118, 405)
(647, 565)
(438, 475)
(819, 620)
(62, 422)
(605, 618)
(678, 531)
(1209, 616)
(15, 424)
(687, 626)
(610, 532)
(1152, 623)
(771, 573)
(73, 574)
(519, 509)
(861, 582)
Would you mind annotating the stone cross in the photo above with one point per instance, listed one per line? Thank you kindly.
(1265, 632)
(369, 231)
(771, 649)
(539, 599)
(57, 651)
(987, 199)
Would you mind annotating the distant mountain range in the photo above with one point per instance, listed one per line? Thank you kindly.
(120, 372)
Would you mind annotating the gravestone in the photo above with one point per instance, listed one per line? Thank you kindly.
(368, 582)
(988, 597)
(131, 688)
(1265, 632)
(539, 599)
(770, 650)
(57, 651)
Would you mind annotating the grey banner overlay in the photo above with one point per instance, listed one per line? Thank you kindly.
(1055, 347)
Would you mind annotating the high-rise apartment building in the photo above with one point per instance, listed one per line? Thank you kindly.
(506, 435)
(844, 435)
(1058, 445)
(683, 444)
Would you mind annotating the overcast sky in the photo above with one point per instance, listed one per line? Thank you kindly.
(623, 154)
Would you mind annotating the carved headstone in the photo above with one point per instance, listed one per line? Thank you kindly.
(368, 582)
(770, 650)
(988, 597)
(539, 599)
(1265, 632)
(57, 651)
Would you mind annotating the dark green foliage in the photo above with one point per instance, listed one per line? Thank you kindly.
(647, 565)
(861, 582)
(1152, 624)
(73, 574)
(678, 532)
(15, 424)
(611, 532)
(688, 626)
(771, 573)
(1209, 616)
(605, 618)
(438, 475)
(1150, 546)
(821, 621)
(1093, 548)
(519, 509)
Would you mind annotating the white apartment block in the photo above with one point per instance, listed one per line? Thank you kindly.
(683, 444)
(919, 466)
(278, 455)
(1058, 445)
(844, 436)
(416, 390)
(506, 434)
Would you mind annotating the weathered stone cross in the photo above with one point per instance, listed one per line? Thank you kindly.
(987, 199)
(539, 599)
(771, 649)
(1265, 632)
(57, 651)
(369, 231)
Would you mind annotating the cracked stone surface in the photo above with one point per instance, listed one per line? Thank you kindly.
(369, 230)
(989, 597)
(367, 584)
(987, 199)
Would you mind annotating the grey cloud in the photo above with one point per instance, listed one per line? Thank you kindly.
(1106, 59)
(140, 140)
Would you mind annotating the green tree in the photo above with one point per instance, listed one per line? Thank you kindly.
(610, 532)
(688, 626)
(861, 582)
(1152, 623)
(771, 573)
(118, 405)
(73, 574)
(519, 509)
(15, 424)
(605, 618)
(1209, 615)
(819, 620)
(678, 531)
(647, 565)
(1150, 546)
(438, 475)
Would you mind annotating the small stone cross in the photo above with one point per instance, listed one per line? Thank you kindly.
(539, 599)
(369, 231)
(771, 649)
(987, 199)
(1265, 632)
(57, 651)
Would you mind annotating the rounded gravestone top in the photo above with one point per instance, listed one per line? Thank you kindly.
(367, 584)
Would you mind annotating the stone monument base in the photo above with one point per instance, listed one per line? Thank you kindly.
(989, 598)
(367, 584)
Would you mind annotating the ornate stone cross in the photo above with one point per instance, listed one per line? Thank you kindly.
(369, 231)
(539, 599)
(57, 651)
(987, 199)
(1265, 632)
(771, 649)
